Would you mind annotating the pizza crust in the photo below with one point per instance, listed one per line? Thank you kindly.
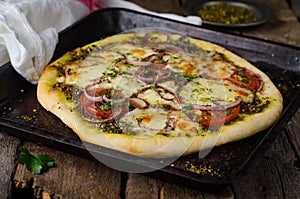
(159, 146)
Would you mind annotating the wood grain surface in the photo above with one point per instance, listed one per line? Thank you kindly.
(277, 175)
(8, 163)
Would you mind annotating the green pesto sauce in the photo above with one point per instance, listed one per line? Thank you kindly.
(66, 89)
(257, 106)
(60, 67)
(221, 57)
(110, 127)
(80, 53)
(227, 14)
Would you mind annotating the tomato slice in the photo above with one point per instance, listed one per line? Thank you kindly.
(215, 118)
(246, 79)
(100, 109)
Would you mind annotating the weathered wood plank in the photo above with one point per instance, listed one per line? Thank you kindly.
(293, 131)
(277, 175)
(283, 26)
(8, 151)
(139, 186)
(293, 135)
(74, 177)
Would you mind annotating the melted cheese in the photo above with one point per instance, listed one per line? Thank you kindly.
(126, 83)
(154, 98)
(217, 69)
(154, 121)
(208, 93)
(133, 52)
(145, 122)
(82, 72)
(179, 64)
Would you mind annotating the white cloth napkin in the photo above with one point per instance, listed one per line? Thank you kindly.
(129, 5)
(29, 32)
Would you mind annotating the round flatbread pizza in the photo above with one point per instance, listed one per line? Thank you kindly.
(158, 94)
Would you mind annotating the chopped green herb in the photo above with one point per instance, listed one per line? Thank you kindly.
(228, 112)
(240, 68)
(130, 106)
(105, 106)
(244, 80)
(187, 41)
(188, 78)
(118, 59)
(139, 120)
(35, 163)
(158, 58)
(241, 74)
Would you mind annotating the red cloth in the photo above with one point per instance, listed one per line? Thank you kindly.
(91, 4)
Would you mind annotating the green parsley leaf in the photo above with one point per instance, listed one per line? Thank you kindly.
(153, 86)
(118, 59)
(139, 120)
(228, 112)
(35, 163)
(105, 106)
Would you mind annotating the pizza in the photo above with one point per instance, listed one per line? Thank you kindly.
(158, 94)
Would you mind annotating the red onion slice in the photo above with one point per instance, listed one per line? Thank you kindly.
(169, 47)
(261, 84)
(106, 99)
(122, 61)
(138, 62)
(139, 103)
(92, 97)
(152, 58)
(160, 89)
(260, 81)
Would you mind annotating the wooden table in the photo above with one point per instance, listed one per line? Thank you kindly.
(276, 176)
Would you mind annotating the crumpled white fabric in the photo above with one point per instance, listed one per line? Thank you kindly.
(129, 5)
(29, 32)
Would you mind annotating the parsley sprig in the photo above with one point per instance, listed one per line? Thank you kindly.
(35, 163)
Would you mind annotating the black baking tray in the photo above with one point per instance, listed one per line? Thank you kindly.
(23, 117)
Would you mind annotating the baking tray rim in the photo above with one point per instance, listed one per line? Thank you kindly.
(105, 10)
